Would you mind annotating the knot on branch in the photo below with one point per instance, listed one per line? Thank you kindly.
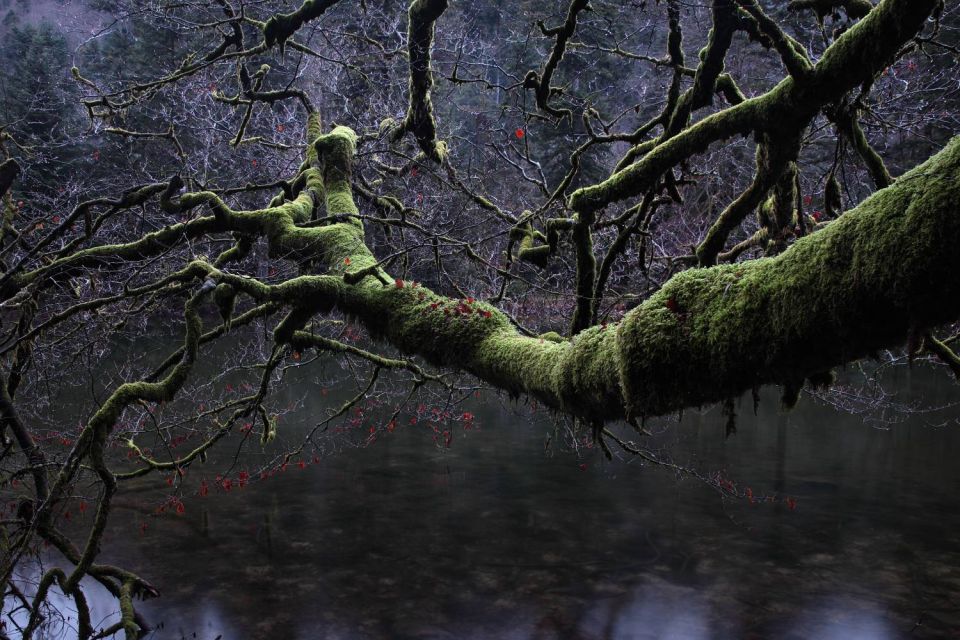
(527, 237)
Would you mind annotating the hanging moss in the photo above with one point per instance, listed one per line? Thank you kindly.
(832, 200)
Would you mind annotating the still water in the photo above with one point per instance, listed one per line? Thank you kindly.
(493, 538)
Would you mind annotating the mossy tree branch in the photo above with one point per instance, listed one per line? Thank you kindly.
(281, 27)
(707, 335)
(540, 82)
(773, 157)
(848, 123)
(421, 22)
(854, 58)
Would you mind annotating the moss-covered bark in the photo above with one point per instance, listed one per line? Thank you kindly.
(540, 82)
(422, 19)
(883, 270)
(773, 158)
(855, 58)
(279, 28)
(861, 284)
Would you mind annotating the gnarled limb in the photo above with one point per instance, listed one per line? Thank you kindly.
(854, 58)
(281, 27)
(708, 334)
(540, 82)
(423, 15)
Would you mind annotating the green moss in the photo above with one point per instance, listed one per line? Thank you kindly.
(335, 151)
(853, 59)
(552, 336)
(860, 283)
(419, 120)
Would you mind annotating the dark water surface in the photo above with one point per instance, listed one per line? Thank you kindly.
(494, 539)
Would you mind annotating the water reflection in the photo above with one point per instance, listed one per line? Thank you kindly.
(492, 539)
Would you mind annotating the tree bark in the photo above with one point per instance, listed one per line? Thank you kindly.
(882, 271)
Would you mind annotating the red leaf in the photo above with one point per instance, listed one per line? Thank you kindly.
(519, 133)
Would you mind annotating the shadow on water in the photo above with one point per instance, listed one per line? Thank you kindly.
(494, 539)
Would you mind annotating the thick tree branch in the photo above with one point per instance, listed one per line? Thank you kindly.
(540, 82)
(279, 28)
(423, 16)
(855, 58)
(708, 334)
